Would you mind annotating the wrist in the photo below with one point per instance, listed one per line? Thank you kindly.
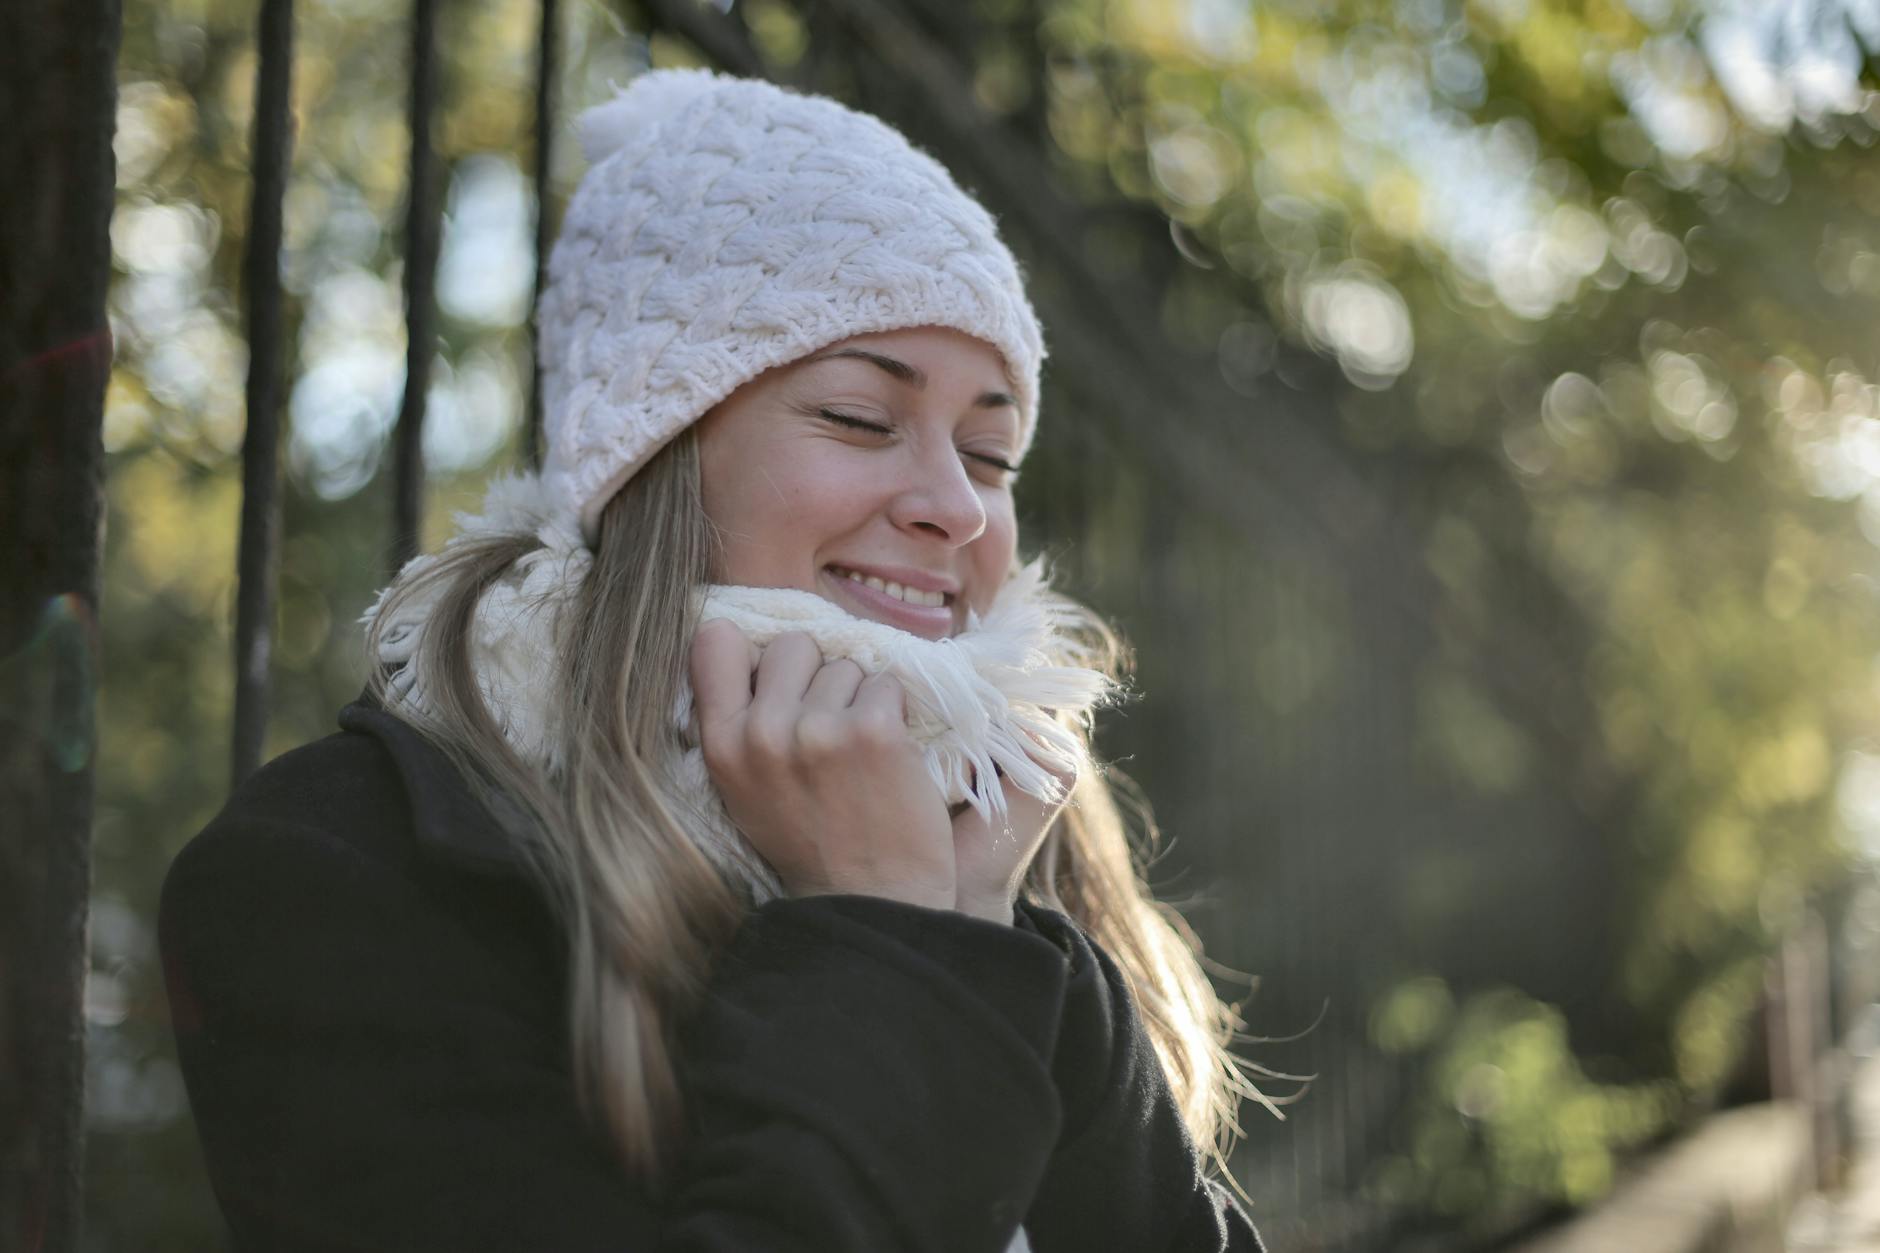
(905, 893)
(1000, 911)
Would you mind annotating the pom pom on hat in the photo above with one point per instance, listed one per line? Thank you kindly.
(648, 101)
(727, 226)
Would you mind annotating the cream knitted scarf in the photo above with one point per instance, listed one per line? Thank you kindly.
(1005, 693)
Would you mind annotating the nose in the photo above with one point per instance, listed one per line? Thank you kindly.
(940, 499)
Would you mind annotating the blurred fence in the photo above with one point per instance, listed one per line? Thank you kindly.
(56, 91)
(1378, 795)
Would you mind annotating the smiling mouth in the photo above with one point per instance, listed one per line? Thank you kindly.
(887, 587)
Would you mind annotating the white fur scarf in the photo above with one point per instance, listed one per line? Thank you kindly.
(1003, 693)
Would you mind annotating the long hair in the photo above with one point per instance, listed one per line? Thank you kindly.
(644, 910)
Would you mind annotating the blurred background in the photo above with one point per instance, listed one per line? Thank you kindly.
(1470, 409)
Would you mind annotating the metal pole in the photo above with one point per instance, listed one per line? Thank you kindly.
(421, 244)
(545, 80)
(255, 563)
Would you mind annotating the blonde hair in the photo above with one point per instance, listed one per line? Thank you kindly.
(644, 910)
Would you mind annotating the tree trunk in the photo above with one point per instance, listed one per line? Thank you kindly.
(58, 93)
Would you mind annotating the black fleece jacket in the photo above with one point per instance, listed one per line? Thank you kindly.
(368, 993)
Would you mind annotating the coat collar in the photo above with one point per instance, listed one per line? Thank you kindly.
(448, 820)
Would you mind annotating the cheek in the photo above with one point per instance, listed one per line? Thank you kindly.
(740, 507)
(996, 550)
(777, 518)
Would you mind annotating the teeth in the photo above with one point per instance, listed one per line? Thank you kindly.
(911, 595)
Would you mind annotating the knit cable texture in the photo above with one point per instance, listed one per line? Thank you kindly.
(727, 226)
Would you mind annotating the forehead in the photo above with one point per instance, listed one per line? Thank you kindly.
(946, 366)
(918, 354)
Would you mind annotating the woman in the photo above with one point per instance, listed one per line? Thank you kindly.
(713, 861)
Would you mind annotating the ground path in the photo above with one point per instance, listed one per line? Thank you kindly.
(1849, 1220)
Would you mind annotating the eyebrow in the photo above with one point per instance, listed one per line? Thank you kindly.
(910, 374)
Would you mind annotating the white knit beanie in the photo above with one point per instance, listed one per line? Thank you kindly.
(727, 226)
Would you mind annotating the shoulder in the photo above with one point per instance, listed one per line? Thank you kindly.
(306, 838)
(315, 874)
(376, 789)
(339, 798)
(345, 788)
(370, 820)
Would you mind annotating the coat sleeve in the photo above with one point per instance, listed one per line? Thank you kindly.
(373, 1067)
(1124, 1173)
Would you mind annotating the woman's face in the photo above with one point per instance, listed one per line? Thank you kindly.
(872, 472)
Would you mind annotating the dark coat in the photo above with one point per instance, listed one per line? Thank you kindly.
(369, 999)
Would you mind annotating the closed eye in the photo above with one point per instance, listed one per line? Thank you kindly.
(860, 424)
(877, 428)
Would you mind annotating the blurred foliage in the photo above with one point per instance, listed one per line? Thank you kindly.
(1598, 277)
(1509, 1112)
(1604, 276)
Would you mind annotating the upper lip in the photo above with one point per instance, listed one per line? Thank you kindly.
(906, 577)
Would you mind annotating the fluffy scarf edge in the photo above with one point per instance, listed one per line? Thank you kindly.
(1007, 696)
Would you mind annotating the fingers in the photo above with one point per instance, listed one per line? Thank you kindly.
(817, 768)
(721, 663)
(880, 708)
(991, 858)
(783, 700)
(783, 696)
(790, 662)
(834, 687)
(784, 672)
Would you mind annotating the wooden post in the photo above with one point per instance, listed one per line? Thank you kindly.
(1798, 1037)
(58, 94)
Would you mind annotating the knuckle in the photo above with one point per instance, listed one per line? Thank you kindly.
(795, 644)
(722, 752)
(846, 667)
(714, 634)
(882, 690)
(818, 736)
(880, 728)
(768, 739)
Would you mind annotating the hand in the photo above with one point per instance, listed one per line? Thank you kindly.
(990, 859)
(818, 770)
